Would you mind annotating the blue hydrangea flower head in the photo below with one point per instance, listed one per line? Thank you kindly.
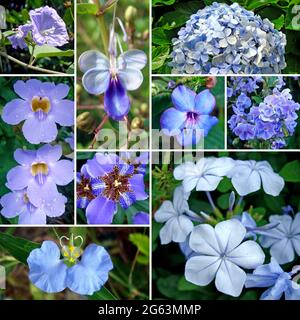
(189, 120)
(83, 273)
(105, 182)
(41, 105)
(273, 277)
(228, 39)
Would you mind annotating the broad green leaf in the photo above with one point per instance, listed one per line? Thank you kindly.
(103, 294)
(159, 56)
(279, 22)
(87, 8)
(256, 4)
(141, 241)
(156, 3)
(223, 201)
(184, 285)
(291, 171)
(225, 185)
(143, 260)
(49, 51)
(159, 37)
(17, 247)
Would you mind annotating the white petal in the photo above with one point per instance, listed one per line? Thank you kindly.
(181, 171)
(93, 59)
(165, 212)
(131, 78)
(180, 200)
(296, 244)
(203, 240)
(245, 180)
(96, 81)
(283, 251)
(189, 183)
(230, 234)
(219, 166)
(230, 279)
(176, 229)
(248, 255)
(232, 40)
(201, 270)
(272, 182)
(208, 183)
(136, 59)
(296, 224)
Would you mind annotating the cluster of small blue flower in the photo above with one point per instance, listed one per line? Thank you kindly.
(267, 117)
(228, 39)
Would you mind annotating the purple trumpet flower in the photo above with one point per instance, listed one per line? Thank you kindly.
(189, 121)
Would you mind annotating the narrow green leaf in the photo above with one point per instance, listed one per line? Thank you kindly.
(17, 247)
(87, 8)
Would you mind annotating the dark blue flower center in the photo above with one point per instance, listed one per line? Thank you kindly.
(192, 116)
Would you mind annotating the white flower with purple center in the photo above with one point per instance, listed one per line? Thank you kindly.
(112, 182)
(42, 105)
(39, 172)
(113, 76)
(17, 204)
(190, 120)
(220, 254)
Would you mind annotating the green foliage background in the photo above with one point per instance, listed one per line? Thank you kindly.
(170, 15)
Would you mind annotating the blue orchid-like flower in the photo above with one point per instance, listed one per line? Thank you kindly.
(51, 274)
(113, 76)
(273, 277)
(189, 121)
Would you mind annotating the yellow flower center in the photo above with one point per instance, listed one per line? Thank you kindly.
(40, 103)
(39, 167)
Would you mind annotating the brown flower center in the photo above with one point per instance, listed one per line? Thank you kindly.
(40, 103)
(84, 189)
(115, 184)
(39, 167)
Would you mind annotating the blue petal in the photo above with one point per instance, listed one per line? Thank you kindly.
(116, 101)
(97, 186)
(131, 78)
(46, 270)
(127, 199)
(205, 102)
(101, 211)
(93, 59)
(91, 273)
(172, 121)
(206, 122)
(183, 98)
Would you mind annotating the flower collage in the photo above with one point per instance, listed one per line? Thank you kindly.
(149, 150)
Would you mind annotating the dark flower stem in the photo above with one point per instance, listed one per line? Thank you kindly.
(25, 65)
(105, 119)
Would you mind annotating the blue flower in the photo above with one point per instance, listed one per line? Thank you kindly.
(113, 76)
(189, 121)
(273, 277)
(228, 39)
(221, 254)
(284, 240)
(141, 218)
(51, 274)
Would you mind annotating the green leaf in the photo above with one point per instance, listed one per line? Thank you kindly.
(159, 37)
(223, 201)
(184, 285)
(292, 21)
(17, 247)
(159, 56)
(279, 22)
(291, 171)
(256, 4)
(49, 51)
(225, 185)
(87, 8)
(156, 3)
(141, 241)
(103, 294)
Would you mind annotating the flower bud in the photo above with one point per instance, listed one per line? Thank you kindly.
(130, 14)
(136, 123)
(144, 108)
(85, 122)
(210, 82)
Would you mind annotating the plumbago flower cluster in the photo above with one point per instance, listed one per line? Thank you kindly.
(228, 39)
(223, 247)
(264, 113)
(113, 75)
(82, 271)
(45, 27)
(108, 180)
(33, 182)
